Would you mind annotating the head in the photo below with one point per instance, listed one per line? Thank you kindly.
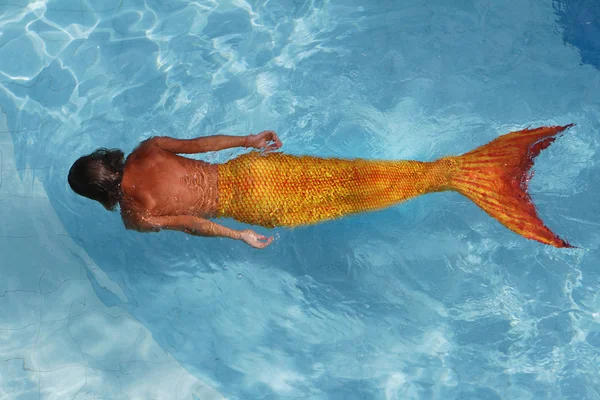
(98, 176)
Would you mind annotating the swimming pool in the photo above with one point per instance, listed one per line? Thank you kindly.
(430, 299)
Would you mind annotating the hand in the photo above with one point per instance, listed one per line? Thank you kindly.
(255, 240)
(260, 140)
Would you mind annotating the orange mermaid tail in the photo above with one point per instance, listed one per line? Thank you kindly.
(284, 190)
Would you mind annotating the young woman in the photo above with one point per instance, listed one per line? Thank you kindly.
(158, 189)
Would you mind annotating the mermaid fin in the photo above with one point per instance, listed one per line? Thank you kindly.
(495, 177)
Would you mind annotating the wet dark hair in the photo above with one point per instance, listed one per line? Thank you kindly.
(97, 176)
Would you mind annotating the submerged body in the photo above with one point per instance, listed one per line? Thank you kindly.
(285, 190)
(162, 190)
(157, 182)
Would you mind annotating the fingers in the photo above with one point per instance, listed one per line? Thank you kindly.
(269, 149)
(272, 147)
(262, 245)
(276, 139)
(260, 241)
(270, 136)
(256, 240)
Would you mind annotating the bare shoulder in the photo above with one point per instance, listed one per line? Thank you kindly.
(146, 148)
(134, 220)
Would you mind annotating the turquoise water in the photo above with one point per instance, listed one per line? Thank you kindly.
(428, 300)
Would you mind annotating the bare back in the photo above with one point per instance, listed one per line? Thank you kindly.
(157, 182)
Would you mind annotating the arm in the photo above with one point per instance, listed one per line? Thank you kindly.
(203, 227)
(198, 145)
(217, 142)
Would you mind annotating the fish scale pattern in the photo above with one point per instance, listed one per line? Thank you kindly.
(277, 189)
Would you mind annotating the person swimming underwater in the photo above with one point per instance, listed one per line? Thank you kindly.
(157, 188)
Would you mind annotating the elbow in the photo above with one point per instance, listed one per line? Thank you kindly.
(154, 141)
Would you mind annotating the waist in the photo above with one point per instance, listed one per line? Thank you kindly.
(199, 193)
(226, 185)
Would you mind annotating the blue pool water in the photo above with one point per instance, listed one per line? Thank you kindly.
(431, 299)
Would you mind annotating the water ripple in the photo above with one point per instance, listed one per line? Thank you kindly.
(431, 299)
